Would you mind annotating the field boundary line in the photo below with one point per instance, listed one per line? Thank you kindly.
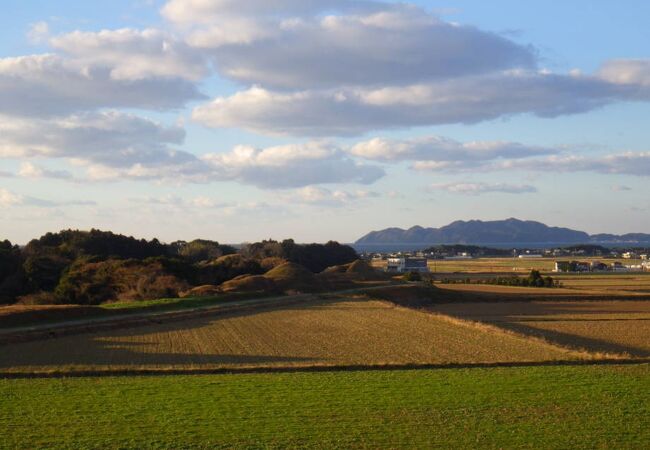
(581, 353)
(91, 325)
(313, 369)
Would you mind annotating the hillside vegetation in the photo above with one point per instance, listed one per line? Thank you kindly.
(94, 267)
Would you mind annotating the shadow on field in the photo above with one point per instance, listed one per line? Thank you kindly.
(537, 318)
(573, 340)
(311, 369)
(491, 293)
(518, 310)
(131, 347)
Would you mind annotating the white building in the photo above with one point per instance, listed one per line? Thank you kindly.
(404, 265)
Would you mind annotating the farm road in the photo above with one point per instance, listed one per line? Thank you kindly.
(126, 320)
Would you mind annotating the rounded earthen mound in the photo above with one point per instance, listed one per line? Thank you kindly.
(207, 290)
(337, 269)
(293, 276)
(361, 267)
(248, 283)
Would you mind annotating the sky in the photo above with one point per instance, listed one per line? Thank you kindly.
(241, 120)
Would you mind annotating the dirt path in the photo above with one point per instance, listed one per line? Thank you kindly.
(92, 324)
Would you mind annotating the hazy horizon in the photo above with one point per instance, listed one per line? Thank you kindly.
(321, 120)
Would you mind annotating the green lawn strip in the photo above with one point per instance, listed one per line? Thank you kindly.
(171, 304)
(529, 407)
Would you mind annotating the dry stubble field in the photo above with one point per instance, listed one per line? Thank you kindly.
(621, 327)
(340, 332)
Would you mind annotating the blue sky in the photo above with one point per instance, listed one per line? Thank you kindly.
(213, 123)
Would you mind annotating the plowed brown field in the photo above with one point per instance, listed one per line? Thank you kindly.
(621, 327)
(327, 333)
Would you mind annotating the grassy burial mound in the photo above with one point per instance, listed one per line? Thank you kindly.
(96, 267)
(348, 275)
(292, 276)
(250, 283)
(362, 270)
(207, 290)
(334, 332)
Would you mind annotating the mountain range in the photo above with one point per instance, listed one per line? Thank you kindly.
(491, 232)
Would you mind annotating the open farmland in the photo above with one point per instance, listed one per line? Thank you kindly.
(613, 283)
(336, 332)
(506, 265)
(621, 327)
(518, 407)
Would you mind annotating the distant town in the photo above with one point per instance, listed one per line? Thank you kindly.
(597, 258)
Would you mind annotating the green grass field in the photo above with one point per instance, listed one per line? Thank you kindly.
(525, 407)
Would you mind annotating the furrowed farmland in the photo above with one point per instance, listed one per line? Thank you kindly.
(345, 332)
(407, 365)
(622, 327)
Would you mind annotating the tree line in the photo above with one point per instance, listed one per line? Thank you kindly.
(92, 267)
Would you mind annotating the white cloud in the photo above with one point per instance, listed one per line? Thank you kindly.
(29, 170)
(463, 100)
(438, 148)
(206, 206)
(482, 188)
(627, 71)
(319, 196)
(627, 163)
(133, 54)
(8, 198)
(291, 166)
(110, 138)
(280, 167)
(38, 32)
(398, 45)
(209, 11)
(48, 85)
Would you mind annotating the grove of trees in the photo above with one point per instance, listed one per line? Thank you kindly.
(92, 267)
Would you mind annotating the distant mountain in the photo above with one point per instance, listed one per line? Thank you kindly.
(491, 232)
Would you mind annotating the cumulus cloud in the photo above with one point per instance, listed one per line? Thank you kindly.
(463, 100)
(184, 203)
(483, 188)
(133, 54)
(210, 11)
(627, 163)
(109, 138)
(49, 85)
(627, 71)
(171, 204)
(334, 68)
(29, 170)
(395, 46)
(140, 152)
(291, 166)
(38, 32)
(438, 148)
(9, 199)
(319, 196)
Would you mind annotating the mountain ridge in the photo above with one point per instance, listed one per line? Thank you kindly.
(496, 231)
